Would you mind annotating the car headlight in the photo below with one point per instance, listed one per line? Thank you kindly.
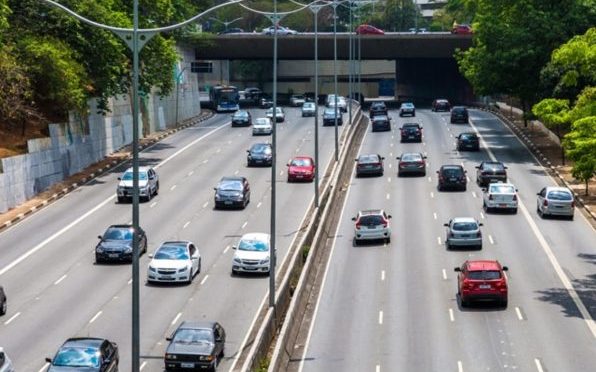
(153, 269)
(170, 356)
(206, 358)
(237, 260)
(99, 249)
(264, 261)
(217, 196)
(183, 269)
(128, 249)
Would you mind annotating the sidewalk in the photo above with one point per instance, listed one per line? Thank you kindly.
(545, 145)
(113, 160)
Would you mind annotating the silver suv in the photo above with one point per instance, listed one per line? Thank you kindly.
(148, 184)
(372, 224)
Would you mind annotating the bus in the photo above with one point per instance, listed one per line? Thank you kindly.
(225, 98)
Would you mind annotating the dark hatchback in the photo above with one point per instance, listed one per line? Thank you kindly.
(85, 354)
(452, 177)
(411, 163)
(377, 108)
(441, 105)
(411, 132)
(329, 117)
(232, 192)
(491, 172)
(195, 346)
(369, 164)
(468, 141)
(116, 244)
(259, 154)
(381, 123)
(459, 114)
(241, 118)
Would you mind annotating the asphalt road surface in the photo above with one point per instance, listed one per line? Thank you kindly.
(56, 291)
(394, 307)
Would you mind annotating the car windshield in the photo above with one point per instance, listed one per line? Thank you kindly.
(230, 186)
(261, 149)
(127, 176)
(331, 112)
(241, 114)
(468, 136)
(301, 163)
(411, 157)
(378, 106)
(371, 220)
(484, 275)
(253, 245)
(452, 172)
(459, 110)
(380, 118)
(493, 166)
(193, 336)
(298, 97)
(171, 252)
(502, 189)
(407, 105)
(79, 357)
(262, 121)
(308, 105)
(277, 110)
(560, 195)
(118, 234)
(464, 226)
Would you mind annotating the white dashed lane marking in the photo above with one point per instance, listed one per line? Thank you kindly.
(519, 313)
(12, 318)
(176, 318)
(444, 274)
(382, 275)
(381, 317)
(186, 224)
(153, 204)
(490, 239)
(172, 188)
(96, 316)
(538, 365)
(204, 279)
(61, 279)
(451, 317)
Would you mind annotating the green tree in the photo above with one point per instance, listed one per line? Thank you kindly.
(554, 113)
(460, 11)
(513, 40)
(580, 144)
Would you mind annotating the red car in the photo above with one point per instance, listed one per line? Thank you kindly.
(301, 168)
(369, 30)
(482, 280)
(462, 30)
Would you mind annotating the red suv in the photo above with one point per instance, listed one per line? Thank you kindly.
(462, 30)
(482, 280)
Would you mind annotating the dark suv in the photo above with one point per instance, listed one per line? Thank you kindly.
(195, 345)
(491, 172)
(468, 141)
(116, 244)
(241, 118)
(452, 177)
(459, 114)
(260, 154)
(377, 108)
(411, 132)
(232, 192)
(329, 116)
(381, 123)
(441, 105)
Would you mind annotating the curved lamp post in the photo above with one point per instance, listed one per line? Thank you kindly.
(225, 23)
(136, 39)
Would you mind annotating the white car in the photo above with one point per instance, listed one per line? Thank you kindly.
(308, 109)
(174, 262)
(501, 196)
(341, 102)
(372, 224)
(253, 254)
(5, 363)
(463, 232)
(280, 31)
(555, 201)
(280, 115)
(297, 100)
(148, 184)
(262, 126)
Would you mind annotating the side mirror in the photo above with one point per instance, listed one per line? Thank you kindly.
(505, 268)
(107, 361)
(353, 218)
(99, 236)
(399, 157)
(446, 224)
(516, 190)
(234, 247)
(388, 216)
(119, 178)
(248, 151)
(49, 360)
(484, 189)
(355, 159)
(150, 255)
(457, 269)
(477, 167)
(505, 168)
(169, 338)
(437, 171)
(465, 171)
(538, 194)
(425, 157)
(215, 188)
(480, 224)
(382, 158)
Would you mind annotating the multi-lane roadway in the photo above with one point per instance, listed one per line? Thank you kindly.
(56, 290)
(393, 307)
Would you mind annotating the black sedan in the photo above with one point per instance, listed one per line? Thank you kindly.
(329, 116)
(116, 244)
(232, 192)
(377, 108)
(452, 177)
(369, 164)
(381, 123)
(195, 346)
(411, 163)
(411, 132)
(491, 172)
(241, 118)
(459, 114)
(85, 354)
(468, 141)
(259, 154)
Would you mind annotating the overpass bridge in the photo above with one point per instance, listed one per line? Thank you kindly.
(424, 62)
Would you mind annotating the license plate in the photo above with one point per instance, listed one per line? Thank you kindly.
(113, 255)
(410, 137)
(166, 277)
(502, 205)
(484, 286)
(187, 365)
(227, 202)
(464, 236)
(299, 176)
(453, 179)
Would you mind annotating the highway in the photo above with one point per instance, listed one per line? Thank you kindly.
(56, 291)
(394, 307)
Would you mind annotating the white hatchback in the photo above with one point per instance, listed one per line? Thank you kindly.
(372, 224)
(174, 262)
(262, 126)
(555, 201)
(500, 196)
(280, 115)
(253, 254)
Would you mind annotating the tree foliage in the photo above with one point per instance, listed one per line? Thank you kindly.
(580, 145)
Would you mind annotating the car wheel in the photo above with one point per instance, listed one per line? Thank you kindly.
(388, 240)
(234, 272)
(355, 242)
(570, 218)
(440, 187)
(464, 188)
(514, 210)
(464, 303)
(479, 247)
(190, 277)
(120, 199)
(447, 245)
(156, 188)
(504, 302)
(4, 308)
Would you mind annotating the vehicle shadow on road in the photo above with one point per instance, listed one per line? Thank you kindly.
(479, 306)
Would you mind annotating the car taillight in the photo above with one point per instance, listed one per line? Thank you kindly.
(479, 234)
(377, 164)
(572, 204)
(358, 224)
(545, 203)
(468, 285)
(514, 197)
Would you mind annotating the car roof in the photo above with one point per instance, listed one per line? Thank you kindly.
(232, 178)
(459, 108)
(370, 212)
(256, 236)
(451, 166)
(410, 125)
(463, 219)
(482, 265)
(84, 342)
(120, 226)
(558, 188)
(302, 157)
(197, 324)
(142, 168)
(491, 162)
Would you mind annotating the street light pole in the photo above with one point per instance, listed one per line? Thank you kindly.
(273, 258)
(178, 76)
(334, 5)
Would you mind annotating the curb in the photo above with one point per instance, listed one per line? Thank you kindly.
(542, 160)
(113, 164)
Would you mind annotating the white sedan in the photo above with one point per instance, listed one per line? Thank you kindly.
(253, 254)
(280, 115)
(500, 196)
(262, 126)
(174, 262)
(280, 31)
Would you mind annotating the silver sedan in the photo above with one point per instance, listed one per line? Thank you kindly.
(555, 201)
(463, 232)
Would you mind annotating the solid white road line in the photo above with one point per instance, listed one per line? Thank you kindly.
(176, 318)
(378, 368)
(519, 314)
(538, 365)
(451, 317)
(186, 224)
(460, 366)
(549, 253)
(44, 367)
(204, 279)
(143, 365)
(172, 188)
(61, 279)
(95, 316)
(226, 249)
(444, 274)
(153, 204)
(490, 239)
(382, 275)
(435, 215)
(381, 317)
(12, 318)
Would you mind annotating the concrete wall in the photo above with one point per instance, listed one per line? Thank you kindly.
(79, 143)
